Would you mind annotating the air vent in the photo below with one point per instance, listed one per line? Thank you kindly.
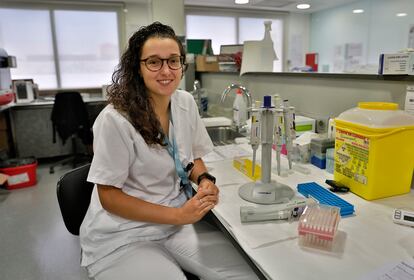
(274, 3)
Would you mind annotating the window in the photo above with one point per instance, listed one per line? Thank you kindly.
(234, 29)
(31, 44)
(206, 27)
(60, 48)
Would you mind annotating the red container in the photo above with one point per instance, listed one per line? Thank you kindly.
(20, 176)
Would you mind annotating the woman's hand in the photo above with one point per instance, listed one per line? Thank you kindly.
(208, 187)
(198, 206)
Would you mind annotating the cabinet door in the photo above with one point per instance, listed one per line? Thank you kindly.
(33, 133)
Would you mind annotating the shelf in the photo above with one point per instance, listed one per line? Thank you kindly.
(352, 76)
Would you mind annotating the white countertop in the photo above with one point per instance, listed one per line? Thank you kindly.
(365, 242)
(50, 101)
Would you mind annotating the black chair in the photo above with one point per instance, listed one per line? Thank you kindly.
(70, 120)
(74, 196)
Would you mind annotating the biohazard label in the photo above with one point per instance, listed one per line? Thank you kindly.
(351, 158)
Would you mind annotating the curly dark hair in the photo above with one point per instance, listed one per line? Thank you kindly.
(128, 92)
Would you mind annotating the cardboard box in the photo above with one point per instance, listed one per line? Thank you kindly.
(207, 63)
(396, 64)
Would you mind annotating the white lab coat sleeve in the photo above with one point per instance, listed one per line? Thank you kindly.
(113, 146)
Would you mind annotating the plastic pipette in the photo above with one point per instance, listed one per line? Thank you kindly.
(283, 211)
(289, 124)
(255, 133)
(278, 141)
(277, 101)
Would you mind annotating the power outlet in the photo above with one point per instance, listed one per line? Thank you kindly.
(322, 125)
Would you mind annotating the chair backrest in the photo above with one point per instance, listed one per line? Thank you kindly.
(69, 116)
(74, 195)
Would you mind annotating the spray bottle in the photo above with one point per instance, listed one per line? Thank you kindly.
(239, 109)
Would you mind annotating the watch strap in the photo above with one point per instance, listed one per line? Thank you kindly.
(206, 175)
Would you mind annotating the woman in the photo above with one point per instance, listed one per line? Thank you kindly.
(142, 222)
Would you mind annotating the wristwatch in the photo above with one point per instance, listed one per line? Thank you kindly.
(206, 175)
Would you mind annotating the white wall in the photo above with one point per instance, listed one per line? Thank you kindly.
(170, 12)
(296, 39)
(319, 98)
(136, 16)
(377, 29)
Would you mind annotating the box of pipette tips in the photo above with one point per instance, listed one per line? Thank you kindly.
(244, 165)
(319, 162)
(304, 124)
(318, 225)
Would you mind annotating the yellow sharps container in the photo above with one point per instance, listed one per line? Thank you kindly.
(374, 150)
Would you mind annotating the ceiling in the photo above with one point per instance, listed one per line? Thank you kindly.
(276, 5)
(268, 5)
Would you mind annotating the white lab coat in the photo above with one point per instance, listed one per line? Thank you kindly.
(123, 159)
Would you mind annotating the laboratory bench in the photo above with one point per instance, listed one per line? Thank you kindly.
(26, 129)
(368, 244)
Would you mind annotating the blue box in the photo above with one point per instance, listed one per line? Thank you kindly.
(319, 162)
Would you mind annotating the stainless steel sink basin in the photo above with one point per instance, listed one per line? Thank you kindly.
(223, 135)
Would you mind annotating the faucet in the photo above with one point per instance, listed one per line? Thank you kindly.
(245, 92)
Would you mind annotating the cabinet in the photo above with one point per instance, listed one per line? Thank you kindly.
(32, 130)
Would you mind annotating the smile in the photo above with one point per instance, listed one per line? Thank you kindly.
(165, 82)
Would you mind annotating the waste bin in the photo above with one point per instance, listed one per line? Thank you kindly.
(374, 150)
(21, 172)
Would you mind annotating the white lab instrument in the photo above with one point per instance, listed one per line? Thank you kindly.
(258, 56)
(255, 133)
(283, 211)
(404, 217)
(6, 62)
(278, 138)
(289, 125)
(266, 191)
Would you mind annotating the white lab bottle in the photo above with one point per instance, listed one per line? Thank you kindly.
(239, 109)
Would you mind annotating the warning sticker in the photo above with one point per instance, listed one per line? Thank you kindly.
(352, 152)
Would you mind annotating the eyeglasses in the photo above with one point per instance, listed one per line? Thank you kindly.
(155, 63)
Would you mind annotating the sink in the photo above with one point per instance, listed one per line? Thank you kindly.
(223, 135)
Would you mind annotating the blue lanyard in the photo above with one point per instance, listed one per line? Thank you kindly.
(173, 151)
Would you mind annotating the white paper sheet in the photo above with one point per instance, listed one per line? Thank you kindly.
(403, 270)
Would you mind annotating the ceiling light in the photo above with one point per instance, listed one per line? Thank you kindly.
(401, 14)
(303, 6)
(241, 2)
(358, 11)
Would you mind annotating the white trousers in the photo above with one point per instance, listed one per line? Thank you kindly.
(199, 248)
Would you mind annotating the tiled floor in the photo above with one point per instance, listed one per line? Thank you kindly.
(34, 243)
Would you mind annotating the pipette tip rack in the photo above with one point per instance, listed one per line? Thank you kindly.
(324, 196)
(318, 225)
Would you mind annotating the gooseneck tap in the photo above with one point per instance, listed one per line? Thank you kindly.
(244, 92)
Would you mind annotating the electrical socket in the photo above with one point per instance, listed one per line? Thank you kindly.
(321, 125)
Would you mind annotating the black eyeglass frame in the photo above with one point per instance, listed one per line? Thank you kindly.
(182, 66)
